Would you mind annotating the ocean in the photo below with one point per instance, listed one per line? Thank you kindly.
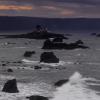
(80, 66)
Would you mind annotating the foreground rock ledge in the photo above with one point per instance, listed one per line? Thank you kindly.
(10, 86)
(36, 97)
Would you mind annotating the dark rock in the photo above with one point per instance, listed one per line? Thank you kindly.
(37, 67)
(39, 33)
(61, 82)
(36, 97)
(29, 53)
(57, 40)
(79, 42)
(51, 45)
(48, 57)
(17, 62)
(47, 44)
(10, 70)
(93, 34)
(10, 86)
(98, 35)
(3, 64)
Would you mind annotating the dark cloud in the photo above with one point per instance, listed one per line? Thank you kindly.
(89, 2)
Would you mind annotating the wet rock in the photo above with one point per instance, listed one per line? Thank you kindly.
(36, 97)
(51, 45)
(9, 70)
(37, 67)
(93, 34)
(29, 53)
(3, 64)
(39, 33)
(61, 82)
(48, 57)
(17, 62)
(47, 44)
(10, 86)
(98, 35)
(79, 42)
(57, 40)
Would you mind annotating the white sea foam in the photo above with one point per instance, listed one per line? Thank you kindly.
(30, 62)
(20, 47)
(93, 63)
(61, 63)
(75, 89)
(94, 84)
(28, 89)
(6, 77)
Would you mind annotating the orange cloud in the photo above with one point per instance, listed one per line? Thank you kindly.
(67, 12)
(14, 7)
(50, 7)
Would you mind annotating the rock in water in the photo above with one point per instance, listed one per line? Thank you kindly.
(48, 57)
(29, 53)
(47, 44)
(98, 35)
(10, 70)
(10, 86)
(57, 40)
(93, 34)
(61, 82)
(37, 67)
(60, 45)
(79, 42)
(37, 98)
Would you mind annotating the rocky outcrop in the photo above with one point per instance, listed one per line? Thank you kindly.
(10, 86)
(93, 34)
(79, 42)
(98, 35)
(51, 45)
(9, 70)
(38, 33)
(57, 40)
(48, 57)
(61, 82)
(29, 53)
(37, 97)
(37, 67)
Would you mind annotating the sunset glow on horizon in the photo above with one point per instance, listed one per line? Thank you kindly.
(13, 7)
(51, 8)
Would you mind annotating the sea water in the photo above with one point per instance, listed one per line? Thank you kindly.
(82, 68)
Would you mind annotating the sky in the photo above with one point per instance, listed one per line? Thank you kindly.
(51, 8)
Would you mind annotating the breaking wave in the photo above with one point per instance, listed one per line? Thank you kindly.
(76, 89)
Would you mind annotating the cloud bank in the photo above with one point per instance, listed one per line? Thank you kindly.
(51, 8)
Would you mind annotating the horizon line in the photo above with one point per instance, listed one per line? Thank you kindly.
(53, 17)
